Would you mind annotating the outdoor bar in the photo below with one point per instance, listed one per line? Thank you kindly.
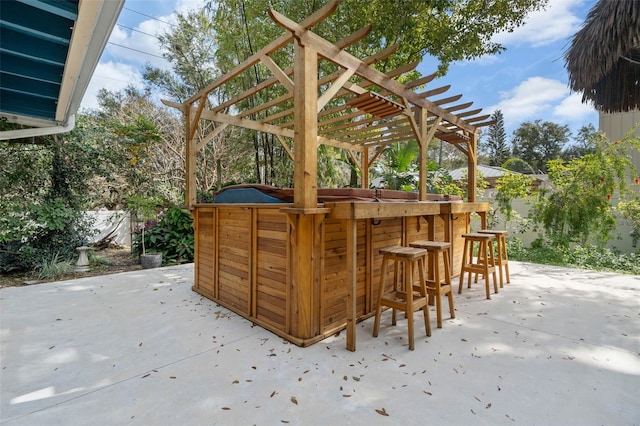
(304, 262)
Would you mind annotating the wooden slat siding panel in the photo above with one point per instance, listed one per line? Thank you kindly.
(204, 250)
(234, 254)
(234, 263)
(387, 233)
(388, 229)
(417, 229)
(205, 262)
(271, 264)
(334, 281)
(266, 234)
(272, 246)
(270, 310)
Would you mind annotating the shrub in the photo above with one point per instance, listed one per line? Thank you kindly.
(53, 267)
(172, 236)
(586, 257)
(27, 239)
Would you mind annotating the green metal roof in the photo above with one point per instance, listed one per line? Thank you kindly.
(48, 52)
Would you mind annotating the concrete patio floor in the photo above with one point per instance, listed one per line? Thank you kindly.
(557, 346)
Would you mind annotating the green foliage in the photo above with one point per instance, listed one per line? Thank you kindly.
(600, 258)
(584, 143)
(143, 210)
(511, 186)
(578, 207)
(481, 184)
(172, 236)
(138, 146)
(537, 143)
(630, 211)
(42, 201)
(439, 181)
(495, 148)
(52, 267)
(441, 29)
(587, 257)
(399, 170)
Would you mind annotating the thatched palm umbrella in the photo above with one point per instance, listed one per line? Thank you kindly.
(603, 60)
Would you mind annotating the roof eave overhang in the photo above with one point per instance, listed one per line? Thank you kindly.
(90, 35)
(91, 32)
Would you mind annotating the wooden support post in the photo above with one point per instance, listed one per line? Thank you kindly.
(352, 280)
(472, 168)
(364, 168)
(305, 175)
(190, 160)
(306, 226)
(423, 143)
(305, 242)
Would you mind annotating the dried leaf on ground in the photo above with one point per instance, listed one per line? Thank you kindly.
(382, 412)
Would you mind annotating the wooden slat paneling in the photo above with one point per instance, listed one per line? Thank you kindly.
(234, 257)
(334, 276)
(204, 251)
(271, 264)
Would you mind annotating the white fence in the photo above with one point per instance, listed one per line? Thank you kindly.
(621, 238)
(109, 223)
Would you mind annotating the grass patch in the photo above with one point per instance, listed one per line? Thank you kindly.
(53, 268)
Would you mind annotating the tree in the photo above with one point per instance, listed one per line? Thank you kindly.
(399, 170)
(141, 144)
(495, 148)
(536, 143)
(511, 186)
(190, 47)
(450, 30)
(585, 143)
(43, 198)
(578, 206)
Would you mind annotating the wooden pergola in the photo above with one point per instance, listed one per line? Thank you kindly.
(355, 107)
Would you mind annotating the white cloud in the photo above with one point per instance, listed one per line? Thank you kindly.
(530, 99)
(571, 108)
(140, 46)
(482, 60)
(539, 98)
(556, 23)
(113, 76)
(184, 6)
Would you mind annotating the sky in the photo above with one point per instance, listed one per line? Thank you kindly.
(527, 82)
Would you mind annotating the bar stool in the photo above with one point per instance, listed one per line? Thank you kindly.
(485, 260)
(502, 261)
(406, 300)
(436, 287)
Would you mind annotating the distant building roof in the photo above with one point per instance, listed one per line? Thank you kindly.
(488, 172)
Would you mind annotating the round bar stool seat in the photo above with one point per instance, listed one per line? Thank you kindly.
(484, 263)
(436, 286)
(502, 261)
(405, 299)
